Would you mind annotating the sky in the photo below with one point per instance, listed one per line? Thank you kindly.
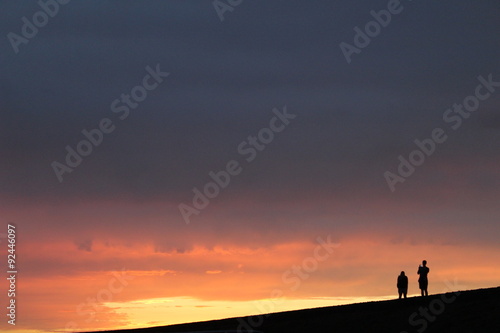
(176, 161)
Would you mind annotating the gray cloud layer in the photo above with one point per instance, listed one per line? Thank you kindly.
(353, 120)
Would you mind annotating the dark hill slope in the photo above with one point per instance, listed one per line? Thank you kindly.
(467, 311)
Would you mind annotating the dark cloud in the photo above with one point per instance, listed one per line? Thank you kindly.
(353, 120)
(85, 245)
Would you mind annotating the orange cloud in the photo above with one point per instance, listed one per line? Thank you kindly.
(85, 284)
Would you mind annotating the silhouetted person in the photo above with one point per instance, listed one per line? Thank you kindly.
(402, 284)
(423, 270)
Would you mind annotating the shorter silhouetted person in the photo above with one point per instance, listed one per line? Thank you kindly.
(402, 284)
(423, 270)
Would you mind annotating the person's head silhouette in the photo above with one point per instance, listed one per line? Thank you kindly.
(424, 263)
(402, 273)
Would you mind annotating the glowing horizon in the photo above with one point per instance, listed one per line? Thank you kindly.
(229, 280)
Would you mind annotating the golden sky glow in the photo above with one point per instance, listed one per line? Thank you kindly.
(147, 287)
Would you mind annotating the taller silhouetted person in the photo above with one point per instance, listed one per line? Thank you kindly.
(423, 270)
(402, 284)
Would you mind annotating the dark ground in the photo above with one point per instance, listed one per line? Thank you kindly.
(470, 311)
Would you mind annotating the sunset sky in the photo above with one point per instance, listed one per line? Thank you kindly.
(310, 145)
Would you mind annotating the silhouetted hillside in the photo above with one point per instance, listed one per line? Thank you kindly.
(465, 311)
